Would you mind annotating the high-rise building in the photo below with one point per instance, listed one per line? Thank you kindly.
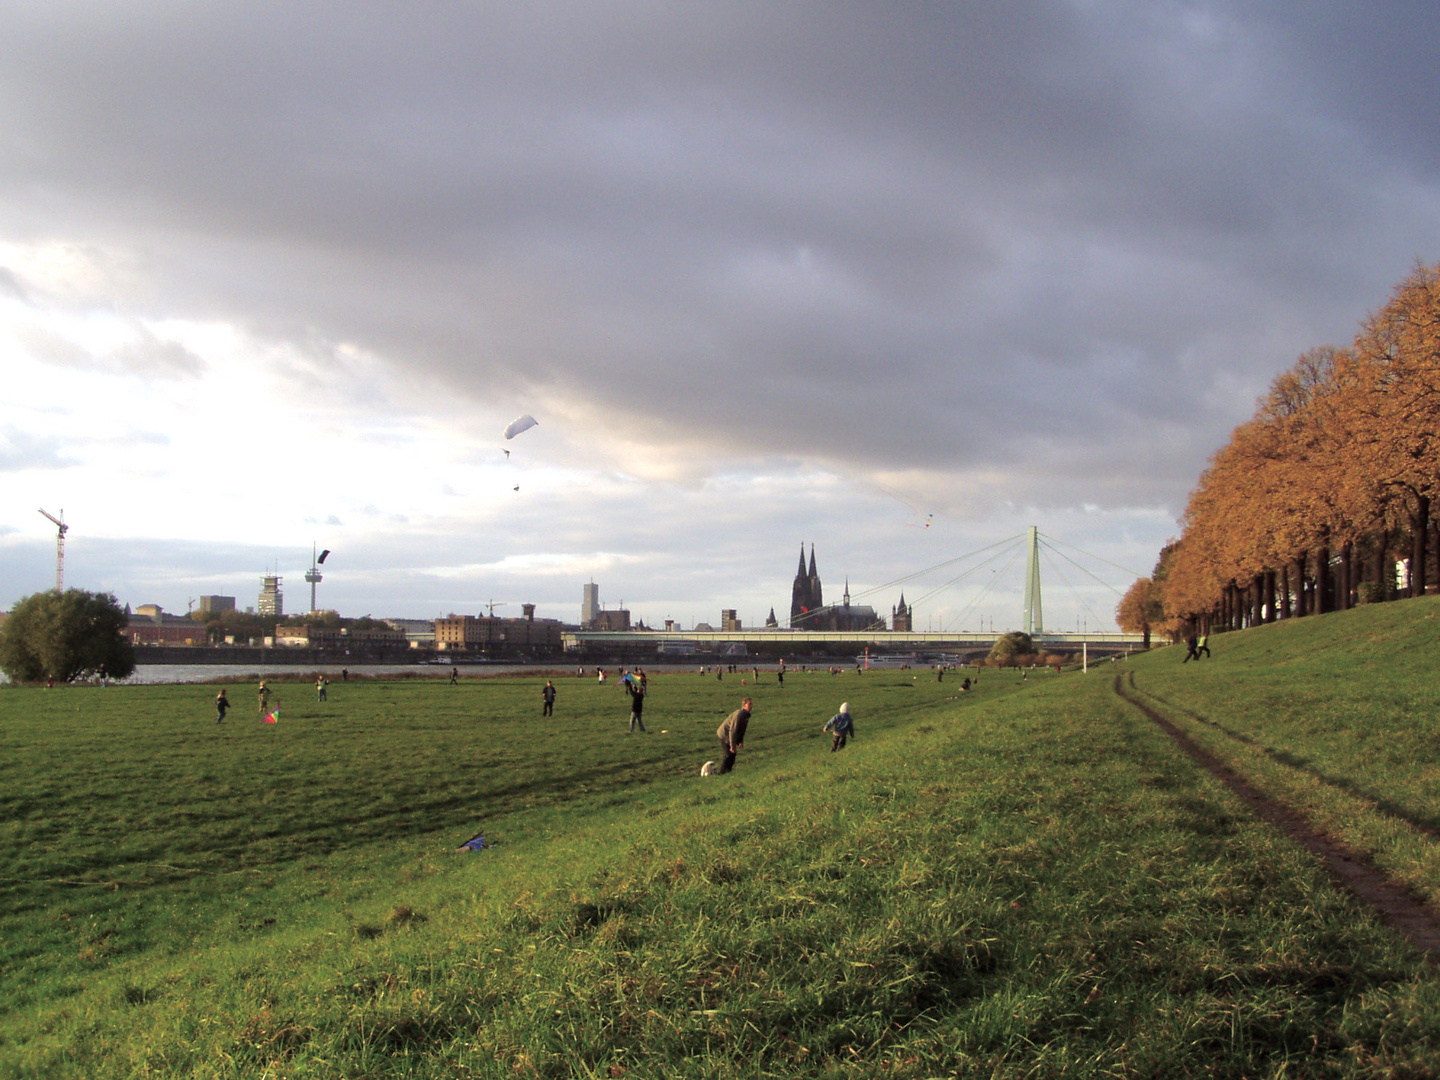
(590, 605)
(215, 605)
(272, 601)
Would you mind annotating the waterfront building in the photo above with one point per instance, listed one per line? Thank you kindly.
(272, 600)
(618, 619)
(491, 635)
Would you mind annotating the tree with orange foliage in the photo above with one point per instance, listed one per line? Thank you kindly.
(1397, 414)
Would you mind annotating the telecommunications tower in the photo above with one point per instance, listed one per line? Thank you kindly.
(59, 548)
(313, 575)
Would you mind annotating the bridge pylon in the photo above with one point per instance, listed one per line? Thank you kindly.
(1034, 622)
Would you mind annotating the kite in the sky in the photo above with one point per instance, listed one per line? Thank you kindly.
(919, 521)
(519, 424)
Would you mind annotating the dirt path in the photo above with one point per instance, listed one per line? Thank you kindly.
(1396, 907)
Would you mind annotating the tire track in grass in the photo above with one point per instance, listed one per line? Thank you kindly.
(1379, 803)
(1391, 901)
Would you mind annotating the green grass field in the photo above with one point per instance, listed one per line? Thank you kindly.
(1027, 880)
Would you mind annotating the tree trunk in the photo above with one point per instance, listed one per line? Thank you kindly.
(1344, 595)
(1269, 596)
(1285, 610)
(1384, 575)
(1302, 587)
(1419, 533)
(1323, 579)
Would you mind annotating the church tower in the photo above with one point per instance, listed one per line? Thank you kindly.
(902, 617)
(799, 595)
(806, 598)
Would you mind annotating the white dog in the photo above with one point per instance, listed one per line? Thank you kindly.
(708, 769)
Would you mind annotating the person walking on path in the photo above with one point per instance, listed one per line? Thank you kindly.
(548, 696)
(264, 698)
(322, 685)
(842, 726)
(636, 689)
(1191, 652)
(732, 735)
(222, 703)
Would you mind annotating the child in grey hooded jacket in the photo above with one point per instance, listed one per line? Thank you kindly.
(842, 726)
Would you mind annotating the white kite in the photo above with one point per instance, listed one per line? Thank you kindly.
(519, 424)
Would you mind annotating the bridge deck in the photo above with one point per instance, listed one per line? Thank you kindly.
(899, 640)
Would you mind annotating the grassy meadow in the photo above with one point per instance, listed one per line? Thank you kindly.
(1026, 880)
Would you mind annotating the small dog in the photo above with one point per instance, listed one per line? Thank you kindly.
(708, 769)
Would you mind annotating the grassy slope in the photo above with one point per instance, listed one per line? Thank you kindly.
(1025, 881)
(1337, 715)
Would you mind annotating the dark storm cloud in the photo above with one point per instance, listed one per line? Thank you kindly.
(1037, 235)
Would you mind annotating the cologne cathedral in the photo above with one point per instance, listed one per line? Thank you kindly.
(808, 610)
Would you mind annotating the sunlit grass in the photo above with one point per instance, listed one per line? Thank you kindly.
(1026, 880)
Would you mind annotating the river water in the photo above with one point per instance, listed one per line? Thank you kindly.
(150, 674)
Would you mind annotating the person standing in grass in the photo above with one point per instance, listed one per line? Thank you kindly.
(548, 696)
(322, 685)
(222, 703)
(732, 734)
(636, 689)
(842, 726)
(264, 697)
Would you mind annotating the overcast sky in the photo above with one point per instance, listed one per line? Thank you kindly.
(766, 273)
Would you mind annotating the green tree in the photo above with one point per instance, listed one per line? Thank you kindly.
(66, 636)
(1008, 648)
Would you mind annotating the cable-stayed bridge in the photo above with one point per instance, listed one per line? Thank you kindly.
(970, 569)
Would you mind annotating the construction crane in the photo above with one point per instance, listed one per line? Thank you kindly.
(493, 604)
(59, 548)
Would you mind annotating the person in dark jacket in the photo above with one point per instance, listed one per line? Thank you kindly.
(548, 696)
(636, 689)
(841, 726)
(732, 734)
(221, 704)
(1191, 652)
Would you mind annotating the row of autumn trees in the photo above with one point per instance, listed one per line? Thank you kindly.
(1315, 499)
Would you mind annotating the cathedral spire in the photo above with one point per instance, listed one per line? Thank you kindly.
(801, 571)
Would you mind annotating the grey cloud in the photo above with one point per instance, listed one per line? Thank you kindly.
(1046, 237)
(154, 356)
